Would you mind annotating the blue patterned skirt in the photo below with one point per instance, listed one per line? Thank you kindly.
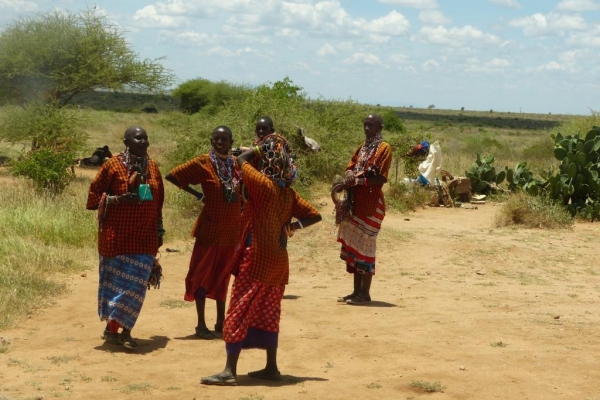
(122, 287)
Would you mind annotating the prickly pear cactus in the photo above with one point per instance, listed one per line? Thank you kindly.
(577, 181)
(483, 175)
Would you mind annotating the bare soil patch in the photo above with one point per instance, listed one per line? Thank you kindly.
(488, 313)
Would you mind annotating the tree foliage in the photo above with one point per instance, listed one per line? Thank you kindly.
(201, 94)
(59, 54)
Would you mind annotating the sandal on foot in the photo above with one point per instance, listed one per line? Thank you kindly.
(127, 341)
(219, 380)
(346, 298)
(360, 299)
(219, 328)
(205, 334)
(111, 338)
(263, 374)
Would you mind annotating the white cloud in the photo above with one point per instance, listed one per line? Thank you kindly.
(149, 17)
(497, 63)
(507, 3)
(585, 39)
(578, 5)
(420, 4)
(19, 5)
(399, 58)
(550, 24)
(455, 36)
(573, 56)
(433, 17)
(393, 24)
(326, 50)
(430, 65)
(220, 52)
(188, 37)
(363, 58)
(551, 66)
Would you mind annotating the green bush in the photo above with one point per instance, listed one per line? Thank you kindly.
(392, 122)
(49, 170)
(196, 94)
(335, 125)
(52, 139)
(532, 212)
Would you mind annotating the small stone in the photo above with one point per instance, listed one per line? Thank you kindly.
(480, 272)
(557, 317)
(462, 368)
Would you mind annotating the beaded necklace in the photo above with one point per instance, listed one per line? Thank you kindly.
(367, 150)
(133, 164)
(228, 174)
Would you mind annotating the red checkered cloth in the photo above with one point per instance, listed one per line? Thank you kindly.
(366, 198)
(252, 304)
(126, 228)
(219, 222)
(270, 208)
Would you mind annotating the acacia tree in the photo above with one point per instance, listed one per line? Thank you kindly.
(59, 54)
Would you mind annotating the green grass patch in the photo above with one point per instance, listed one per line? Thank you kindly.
(172, 303)
(40, 238)
(137, 387)
(429, 387)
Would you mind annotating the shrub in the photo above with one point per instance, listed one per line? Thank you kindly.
(53, 138)
(528, 211)
(407, 197)
(392, 122)
(197, 94)
(49, 170)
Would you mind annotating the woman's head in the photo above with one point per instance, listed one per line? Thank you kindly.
(221, 139)
(264, 127)
(372, 125)
(277, 162)
(136, 140)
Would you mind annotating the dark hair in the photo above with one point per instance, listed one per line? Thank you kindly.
(224, 128)
(267, 119)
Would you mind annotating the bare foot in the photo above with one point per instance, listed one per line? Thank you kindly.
(266, 374)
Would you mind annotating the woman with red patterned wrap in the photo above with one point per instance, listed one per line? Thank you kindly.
(128, 193)
(218, 227)
(365, 175)
(262, 266)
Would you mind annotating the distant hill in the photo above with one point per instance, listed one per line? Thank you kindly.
(124, 101)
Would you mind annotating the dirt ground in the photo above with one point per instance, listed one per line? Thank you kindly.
(485, 313)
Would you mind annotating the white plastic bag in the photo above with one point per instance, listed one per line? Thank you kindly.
(431, 165)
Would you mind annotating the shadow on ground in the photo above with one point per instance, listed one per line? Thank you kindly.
(145, 345)
(286, 380)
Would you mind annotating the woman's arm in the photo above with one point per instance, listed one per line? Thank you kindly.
(171, 178)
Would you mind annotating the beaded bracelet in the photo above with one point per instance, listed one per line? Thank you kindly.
(257, 151)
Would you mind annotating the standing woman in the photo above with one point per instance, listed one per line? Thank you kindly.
(366, 174)
(261, 267)
(128, 193)
(217, 229)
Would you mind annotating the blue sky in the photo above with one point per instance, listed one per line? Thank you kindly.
(507, 55)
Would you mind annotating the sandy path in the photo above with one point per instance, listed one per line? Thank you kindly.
(487, 313)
